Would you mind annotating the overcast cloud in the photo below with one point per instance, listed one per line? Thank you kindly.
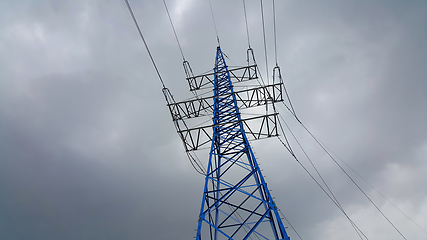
(88, 149)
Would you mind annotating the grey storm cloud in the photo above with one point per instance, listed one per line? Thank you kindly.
(88, 149)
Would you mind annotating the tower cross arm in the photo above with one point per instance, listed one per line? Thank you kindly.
(256, 128)
(246, 98)
(239, 74)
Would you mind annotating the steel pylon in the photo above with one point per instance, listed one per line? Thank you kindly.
(236, 202)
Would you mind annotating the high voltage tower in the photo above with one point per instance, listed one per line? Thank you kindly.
(236, 202)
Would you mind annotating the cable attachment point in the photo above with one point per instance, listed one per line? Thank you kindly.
(187, 69)
(277, 76)
(250, 57)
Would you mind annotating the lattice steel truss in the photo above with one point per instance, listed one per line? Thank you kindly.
(236, 202)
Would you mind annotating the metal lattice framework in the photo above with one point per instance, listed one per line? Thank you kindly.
(236, 202)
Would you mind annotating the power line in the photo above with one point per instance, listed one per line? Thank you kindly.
(331, 196)
(246, 21)
(265, 49)
(200, 168)
(382, 195)
(352, 180)
(265, 43)
(145, 44)
(277, 69)
(274, 26)
(194, 160)
(213, 19)
(314, 179)
(173, 28)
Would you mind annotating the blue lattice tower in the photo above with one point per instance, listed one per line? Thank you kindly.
(236, 202)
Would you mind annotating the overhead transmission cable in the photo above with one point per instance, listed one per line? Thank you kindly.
(352, 180)
(246, 21)
(265, 43)
(333, 198)
(200, 169)
(311, 175)
(274, 26)
(360, 176)
(382, 195)
(213, 19)
(277, 63)
(250, 50)
(173, 28)
(265, 49)
(331, 195)
(193, 160)
(188, 72)
(145, 43)
(346, 173)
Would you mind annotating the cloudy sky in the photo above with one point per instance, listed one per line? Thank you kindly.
(88, 149)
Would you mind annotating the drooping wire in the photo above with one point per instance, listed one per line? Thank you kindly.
(312, 177)
(246, 21)
(185, 62)
(265, 43)
(213, 19)
(332, 195)
(352, 180)
(176, 36)
(320, 144)
(352, 169)
(357, 185)
(333, 198)
(293, 113)
(200, 169)
(194, 159)
(145, 44)
(277, 69)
